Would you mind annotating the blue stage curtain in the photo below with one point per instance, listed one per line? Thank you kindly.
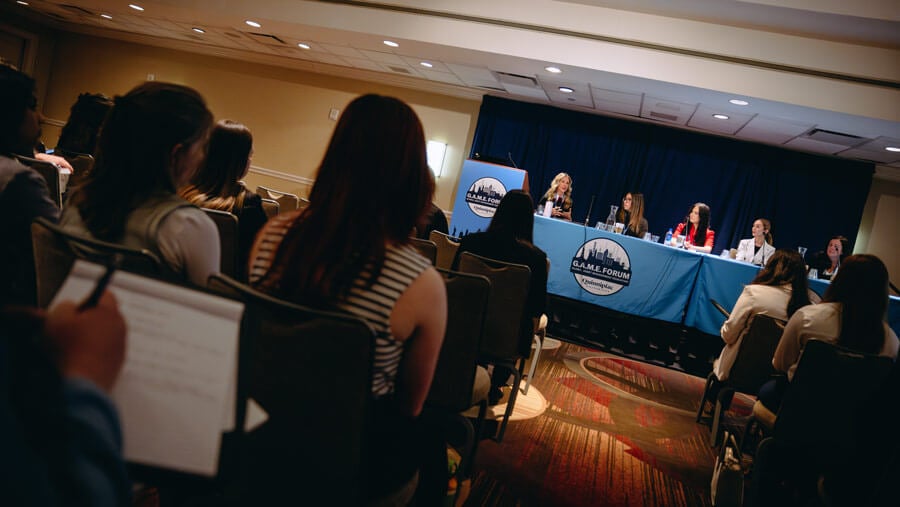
(808, 198)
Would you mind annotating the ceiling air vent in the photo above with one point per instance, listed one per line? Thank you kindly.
(495, 88)
(827, 136)
(399, 70)
(516, 79)
(663, 116)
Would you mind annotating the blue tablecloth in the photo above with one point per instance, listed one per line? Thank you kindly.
(662, 282)
(659, 278)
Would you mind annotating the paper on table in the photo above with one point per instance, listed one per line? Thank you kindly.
(177, 380)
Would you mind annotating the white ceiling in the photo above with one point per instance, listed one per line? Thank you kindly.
(819, 76)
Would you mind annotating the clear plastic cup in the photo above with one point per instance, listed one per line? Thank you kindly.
(654, 238)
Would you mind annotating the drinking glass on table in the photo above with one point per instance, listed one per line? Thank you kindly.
(802, 250)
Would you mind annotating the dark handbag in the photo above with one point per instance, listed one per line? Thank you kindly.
(727, 486)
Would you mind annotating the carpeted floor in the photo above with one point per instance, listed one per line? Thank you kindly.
(616, 432)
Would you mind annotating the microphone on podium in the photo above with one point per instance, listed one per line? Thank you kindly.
(587, 218)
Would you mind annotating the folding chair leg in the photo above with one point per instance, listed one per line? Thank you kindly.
(534, 359)
(510, 404)
(722, 403)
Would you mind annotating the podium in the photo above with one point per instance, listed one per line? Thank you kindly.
(481, 187)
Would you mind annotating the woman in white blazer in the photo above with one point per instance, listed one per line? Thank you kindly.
(758, 249)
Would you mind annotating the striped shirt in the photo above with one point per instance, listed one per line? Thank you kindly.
(402, 265)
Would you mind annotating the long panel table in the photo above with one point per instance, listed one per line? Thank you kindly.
(647, 279)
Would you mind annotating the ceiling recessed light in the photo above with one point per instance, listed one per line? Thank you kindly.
(426, 64)
(739, 102)
(106, 16)
(254, 24)
(720, 116)
(893, 148)
(302, 45)
(136, 7)
(391, 43)
(198, 30)
(21, 2)
(554, 70)
(566, 89)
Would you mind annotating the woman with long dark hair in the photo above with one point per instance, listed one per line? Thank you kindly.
(509, 239)
(852, 315)
(218, 184)
(779, 290)
(829, 261)
(632, 215)
(695, 228)
(350, 250)
(152, 143)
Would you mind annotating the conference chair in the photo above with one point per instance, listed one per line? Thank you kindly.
(227, 223)
(751, 369)
(286, 202)
(446, 249)
(504, 333)
(453, 389)
(425, 247)
(55, 250)
(302, 203)
(311, 372)
(270, 207)
(815, 431)
(56, 179)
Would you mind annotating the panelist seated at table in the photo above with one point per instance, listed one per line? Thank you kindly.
(632, 215)
(828, 261)
(559, 195)
(779, 289)
(758, 249)
(695, 229)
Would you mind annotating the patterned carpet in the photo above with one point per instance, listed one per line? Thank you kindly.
(616, 432)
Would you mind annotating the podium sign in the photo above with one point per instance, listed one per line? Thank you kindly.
(481, 187)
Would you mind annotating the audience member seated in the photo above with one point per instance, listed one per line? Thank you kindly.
(218, 184)
(23, 192)
(435, 220)
(79, 134)
(695, 228)
(851, 314)
(758, 249)
(632, 215)
(509, 239)
(559, 195)
(349, 249)
(152, 143)
(61, 439)
(779, 290)
(828, 261)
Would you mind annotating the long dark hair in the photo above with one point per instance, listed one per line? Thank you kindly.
(134, 153)
(372, 188)
(17, 96)
(79, 134)
(217, 184)
(702, 225)
(786, 267)
(767, 226)
(514, 216)
(861, 288)
(635, 215)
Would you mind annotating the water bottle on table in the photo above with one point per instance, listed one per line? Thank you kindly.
(668, 239)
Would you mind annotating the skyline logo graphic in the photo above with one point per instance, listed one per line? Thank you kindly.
(602, 267)
(484, 196)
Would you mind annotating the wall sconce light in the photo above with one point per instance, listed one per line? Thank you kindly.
(435, 151)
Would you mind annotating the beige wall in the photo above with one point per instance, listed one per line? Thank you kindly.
(878, 230)
(287, 110)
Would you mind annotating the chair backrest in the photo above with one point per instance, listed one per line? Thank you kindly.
(821, 403)
(304, 202)
(753, 364)
(504, 334)
(55, 250)
(446, 249)
(56, 180)
(286, 202)
(311, 371)
(454, 377)
(270, 207)
(227, 223)
(425, 247)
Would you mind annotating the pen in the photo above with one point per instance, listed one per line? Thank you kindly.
(94, 297)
